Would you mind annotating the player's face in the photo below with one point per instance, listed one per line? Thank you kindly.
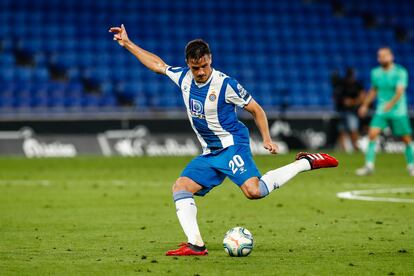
(385, 57)
(201, 68)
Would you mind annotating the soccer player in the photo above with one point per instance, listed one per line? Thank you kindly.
(388, 82)
(211, 99)
(348, 95)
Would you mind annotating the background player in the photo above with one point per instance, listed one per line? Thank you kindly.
(348, 95)
(211, 98)
(389, 82)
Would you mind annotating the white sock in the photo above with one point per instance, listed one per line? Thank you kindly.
(370, 165)
(187, 215)
(276, 178)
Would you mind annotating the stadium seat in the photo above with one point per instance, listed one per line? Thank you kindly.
(269, 46)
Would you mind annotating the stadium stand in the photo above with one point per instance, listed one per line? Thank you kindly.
(58, 54)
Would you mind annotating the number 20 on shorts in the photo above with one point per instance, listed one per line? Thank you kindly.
(235, 163)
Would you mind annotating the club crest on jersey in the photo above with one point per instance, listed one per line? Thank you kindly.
(212, 97)
(197, 109)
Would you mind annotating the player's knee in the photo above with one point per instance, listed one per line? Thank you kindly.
(406, 139)
(253, 192)
(178, 185)
(373, 134)
(181, 184)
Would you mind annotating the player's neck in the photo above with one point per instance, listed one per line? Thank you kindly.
(388, 67)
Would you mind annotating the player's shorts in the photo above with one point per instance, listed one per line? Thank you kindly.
(210, 170)
(348, 121)
(400, 124)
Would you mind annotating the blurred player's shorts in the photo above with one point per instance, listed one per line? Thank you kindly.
(400, 124)
(348, 121)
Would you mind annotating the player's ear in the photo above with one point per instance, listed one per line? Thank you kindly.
(211, 59)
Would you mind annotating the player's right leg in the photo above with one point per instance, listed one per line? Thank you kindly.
(369, 166)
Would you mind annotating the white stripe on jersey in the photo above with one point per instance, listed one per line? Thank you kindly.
(186, 97)
(232, 97)
(211, 113)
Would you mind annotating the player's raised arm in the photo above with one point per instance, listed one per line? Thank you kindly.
(151, 61)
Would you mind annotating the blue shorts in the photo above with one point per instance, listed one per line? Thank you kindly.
(211, 169)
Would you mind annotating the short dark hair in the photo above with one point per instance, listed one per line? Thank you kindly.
(196, 49)
(386, 48)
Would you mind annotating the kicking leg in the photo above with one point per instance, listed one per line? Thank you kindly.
(183, 191)
(255, 188)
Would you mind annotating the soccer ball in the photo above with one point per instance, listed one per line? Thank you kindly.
(238, 242)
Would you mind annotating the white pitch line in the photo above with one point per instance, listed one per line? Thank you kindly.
(362, 195)
(366, 185)
(44, 182)
(25, 182)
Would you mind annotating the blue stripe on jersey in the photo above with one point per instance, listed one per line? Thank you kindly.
(180, 80)
(228, 118)
(200, 124)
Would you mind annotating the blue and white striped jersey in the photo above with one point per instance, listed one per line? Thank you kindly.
(211, 108)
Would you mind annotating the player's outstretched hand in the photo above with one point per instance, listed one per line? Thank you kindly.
(271, 147)
(120, 34)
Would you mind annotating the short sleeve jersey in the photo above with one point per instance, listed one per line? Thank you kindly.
(211, 108)
(386, 83)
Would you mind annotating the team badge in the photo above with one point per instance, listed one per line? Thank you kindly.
(212, 97)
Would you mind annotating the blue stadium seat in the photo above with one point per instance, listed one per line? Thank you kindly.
(270, 46)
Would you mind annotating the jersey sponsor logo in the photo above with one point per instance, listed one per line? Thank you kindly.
(197, 109)
(243, 93)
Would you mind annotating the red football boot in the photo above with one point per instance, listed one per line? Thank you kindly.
(188, 249)
(318, 160)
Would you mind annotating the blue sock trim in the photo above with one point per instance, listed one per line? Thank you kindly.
(182, 195)
(264, 191)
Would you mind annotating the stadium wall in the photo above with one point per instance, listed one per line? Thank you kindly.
(156, 137)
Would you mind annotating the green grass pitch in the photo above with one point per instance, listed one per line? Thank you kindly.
(103, 216)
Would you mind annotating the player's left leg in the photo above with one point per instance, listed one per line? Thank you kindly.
(255, 188)
(409, 153)
(198, 178)
(401, 127)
